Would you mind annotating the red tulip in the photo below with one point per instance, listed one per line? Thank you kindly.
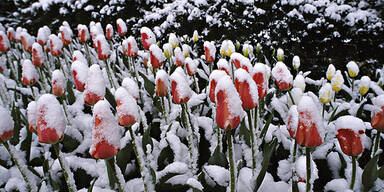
(37, 55)
(105, 134)
(56, 45)
(32, 116)
(4, 42)
(103, 50)
(260, 78)
(83, 33)
(78, 56)
(130, 47)
(121, 27)
(377, 120)
(282, 76)
(228, 110)
(181, 92)
(292, 121)
(6, 125)
(127, 110)
(191, 66)
(210, 51)
(349, 132)
(66, 34)
(109, 31)
(179, 57)
(94, 86)
(27, 41)
(148, 37)
(11, 34)
(157, 56)
(310, 130)
(58, 83)
(131, 86)
(42, 35)
(222, 64)
(162, 83)
(80, 74)
(50, 119)
(29, 73)
(213, 80)
(246, 88)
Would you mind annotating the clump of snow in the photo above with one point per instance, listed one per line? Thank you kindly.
(179, 56)
(220, 175)
(121, 27)
(4, 42)
(66, 34)
(149, 37)
(350, 122)
(95, 81)
(157, 53)
(307, 105)
(109, 31)
(58, 79)
(222, 64)
(50, 111)
(77, 55)
(292, 121)
(337, 185)
(6, 121)
(128, 105)
(299, 82)
(227, 48)
(241, 62)
(182, 87)
(210, 46)
(83, 33)
(56, 45)
(131, 86)
(37, 54)
(81, 70)
(32, 114)
(162, 75)
(29, 71)
(281, 73)
(103, 48)
(130, 46)
(191, 65)
(301, 169)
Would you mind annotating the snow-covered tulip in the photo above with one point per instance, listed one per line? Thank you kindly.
(130, 48)
(179, 57)
(310, 131)
(80, 74)
(247, 50)
(19, 30)
(127, 109)
(121, 27)
(186, 49)
(66, 34)
(227, 48)
(260, 78)
(213, 80)
(103, 49)
(191, 66)
(131, 86)
(223, 65)
(299, 82)
(162, 83)
(6, 124)
(377, 120)
(292, 121)
(247, 89)
(228, 111)
(173, 40)
(181, 92)
(167, 49)
(282, 76)
(365, 82)
(109, 31)
(280, 54)
(258, 48)
(42, 35)
(296, 62)
(56, 45)
(37, 55)
(94, 86)
(148, 37)
(241, 62)
(29, 73)
(27, 41)
(32, 116)
(51, 121)
(349, 133)
(58, 83)
(157, 56)
(195, 36)
(337, 81)
(4, 42)
(331, 70)
(11, 33)
(325, 93)
(210, 51)
(83, 33)
(78, 56)
(105, 133)
(353, 69)
(96, 30)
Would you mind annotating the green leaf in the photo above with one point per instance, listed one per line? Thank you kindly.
(15, 113)
(218, 158)
(69, 144)
(147, 139)
(70, 95)
(148, 85)
(380, 173)
(370, 173)
(333, 114)
(359, 113)
(166, 156)
(110, 98)
(341, 113)
(92, 184)
(266, 126)
(123, 157)
(268, 150)
(245, 133)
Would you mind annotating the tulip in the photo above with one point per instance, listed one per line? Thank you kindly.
(19, 30)
(223, 65)
(6, 125)
(292, 121)
(282, 76)
(130, 48)
(179, 57)
(50, 119)
(247, 89)
(83, 33)
(27, 41)
(103, 49)
(337, 81)
(214, 78)
(4, 42)
(227, 48)
(364, 85)
(121, 27)
(260, 78)
(58, 83)
(247, 50)
(80, 74)
(42, 35)
(32, 116)
(127, 109)
(258, 48)
(37, 55)
(353, 69)
(157, 56)
(131, 86)
(191, 66)
(181, 92)
(56, 45)
(11, 33)
(66, 34)
(325, 93)
(94, 86)
(29, 73)
(186, 49)
(96, 30)
(377, 120)
(109, 31)
(173, 40)
(162, 83)
(210, 51)
(280, 54)
(331, 70)
(296, 62)
(195, 36)
(148, 37)
(167, 48)
(78, 56)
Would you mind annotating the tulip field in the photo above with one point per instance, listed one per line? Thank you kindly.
(95, 108)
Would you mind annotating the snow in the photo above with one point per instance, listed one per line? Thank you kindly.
(32, 114)
(301, 169)
(337, 185)
(242, 76)
(95, 82)
(4, 41)
(37, 54)
(179, 56)
(6, 121)
(66, 34)
(195, 184)
(299, 82)
(130, 46)
(280, 53)
(191, 65)
(210, 45)
(247, 50)
(306, 104)
(222, 64)
(50, 111)
(58, 79)
(167, 48)
(103, 47)
(353, 69)
(83, 33)
(11, 33)
(128, 105)
(220, 175)
(325, 93)
(296, 62)
(131, 86)
(337, 81)
(109, 31)
(29, 71)
(281, 73)
(121, 26)
(186, 50)
(162, 75)
(227, 48)
(331, 70)
(292, 121)
(182, 87)
(364, 85)
(334, 163)
(173, 40)
(56, 44)
(81, 70)
(151, 38)
(241, 62)
(77, 55)
(157, 52)
(350, 122)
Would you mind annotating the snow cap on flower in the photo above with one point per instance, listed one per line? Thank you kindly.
(19, 30)
(214, 78)
(105, 133)
(6, 124)
(241, 62)
(29, 73)
(296, 62)
(353, 69)
(157, 56)
(310, 132)
(349, 133)
(167, 49)
(331, 70)
(191, 66)
(365, 82)
(195, 36)
(337, 81)
(292, 121)
(127, 109)
(11, 34)
(246, 88)
(51, 121)
(299, 82)
(377, 120)
(179, 57)
(301, 169)
(173, 40)
(210, 51)
(37, 55)
(109, 31)
(4, 42)
(247, 50)
(325, 93)
(261, 79)
(121, 27)
(130, 47)
(58, 83)
(56, 45)
(96, 30)
(32, 116)
(227, 48)
(27, 40)
(280, 54)
(148, 37)
(78, 56)
(42, 35)
(80, 74)
(229, 112)
(282, 76)
(103, 49)
(296, 94)
(131, 86)
(94, 86)
(186, 49)
(83, 33)
(66, 34)
(181, 92)
(162, 83)
(223, 65)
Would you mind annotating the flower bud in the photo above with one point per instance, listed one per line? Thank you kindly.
(167, 48)
(4, 42)
(11, 34)
(325, 93)
(181, 92)
(131, 86)
(223, 65)
(260, 78)
(80, 74)
(282, 76)
(296, 62)
(173, 40)
(377, 120)
(349, 133)
(195, 37)
(56, 45)
(191, 66)
(227, 48)
(179, 57)
(130, 47)
(29, 73)
(32, 116)
(210, 51)
(162, 83)
(157, 56)
(121, 27)
(66, 34)
(6, 125)
(246, 88)
(292, 121)
(83, 33)
(241, 62)
(109, 31)
(78, 56)
(280, 54)
(353, 69)
(94, 86)
(331, 70)
(27, 41)
(299, 82)
(103, 49)
(247, 50)
(127, 109)
(337, 81)
(37, 55)
(148, 37)
(58, 83)
(258, 48)
(186, 49)
(42, 35)
(365, 82)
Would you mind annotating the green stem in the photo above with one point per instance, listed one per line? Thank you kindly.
(169, 102)
(290, 95)
(308, 163)
(252, 139)
(109, 74)
(377, 141)
(137, 80)
(218, 137)
(322, 114)
(42, 79)
(112, 175)
(196, 85)
(66, 175)
(164, 110)
(231, 162)
(294, 152)
(294, 182)
(353, 172)
(11, 68)
(88, 54)
(138, 157)
(353, 84)
(189, 131)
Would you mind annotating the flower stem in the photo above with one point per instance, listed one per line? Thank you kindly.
(377, 141)
(196, 85)
(308, 163)
(189, 131)
(231, 161)
(137, 80)
(66, 175)
(218, 137)
(109, 74)
(138, 157)
(169, 103)
(112, 176)
(164, 110)
(353, 172)
(88, 54)
(252, 139)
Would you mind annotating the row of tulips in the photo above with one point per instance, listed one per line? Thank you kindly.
(240, 96)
